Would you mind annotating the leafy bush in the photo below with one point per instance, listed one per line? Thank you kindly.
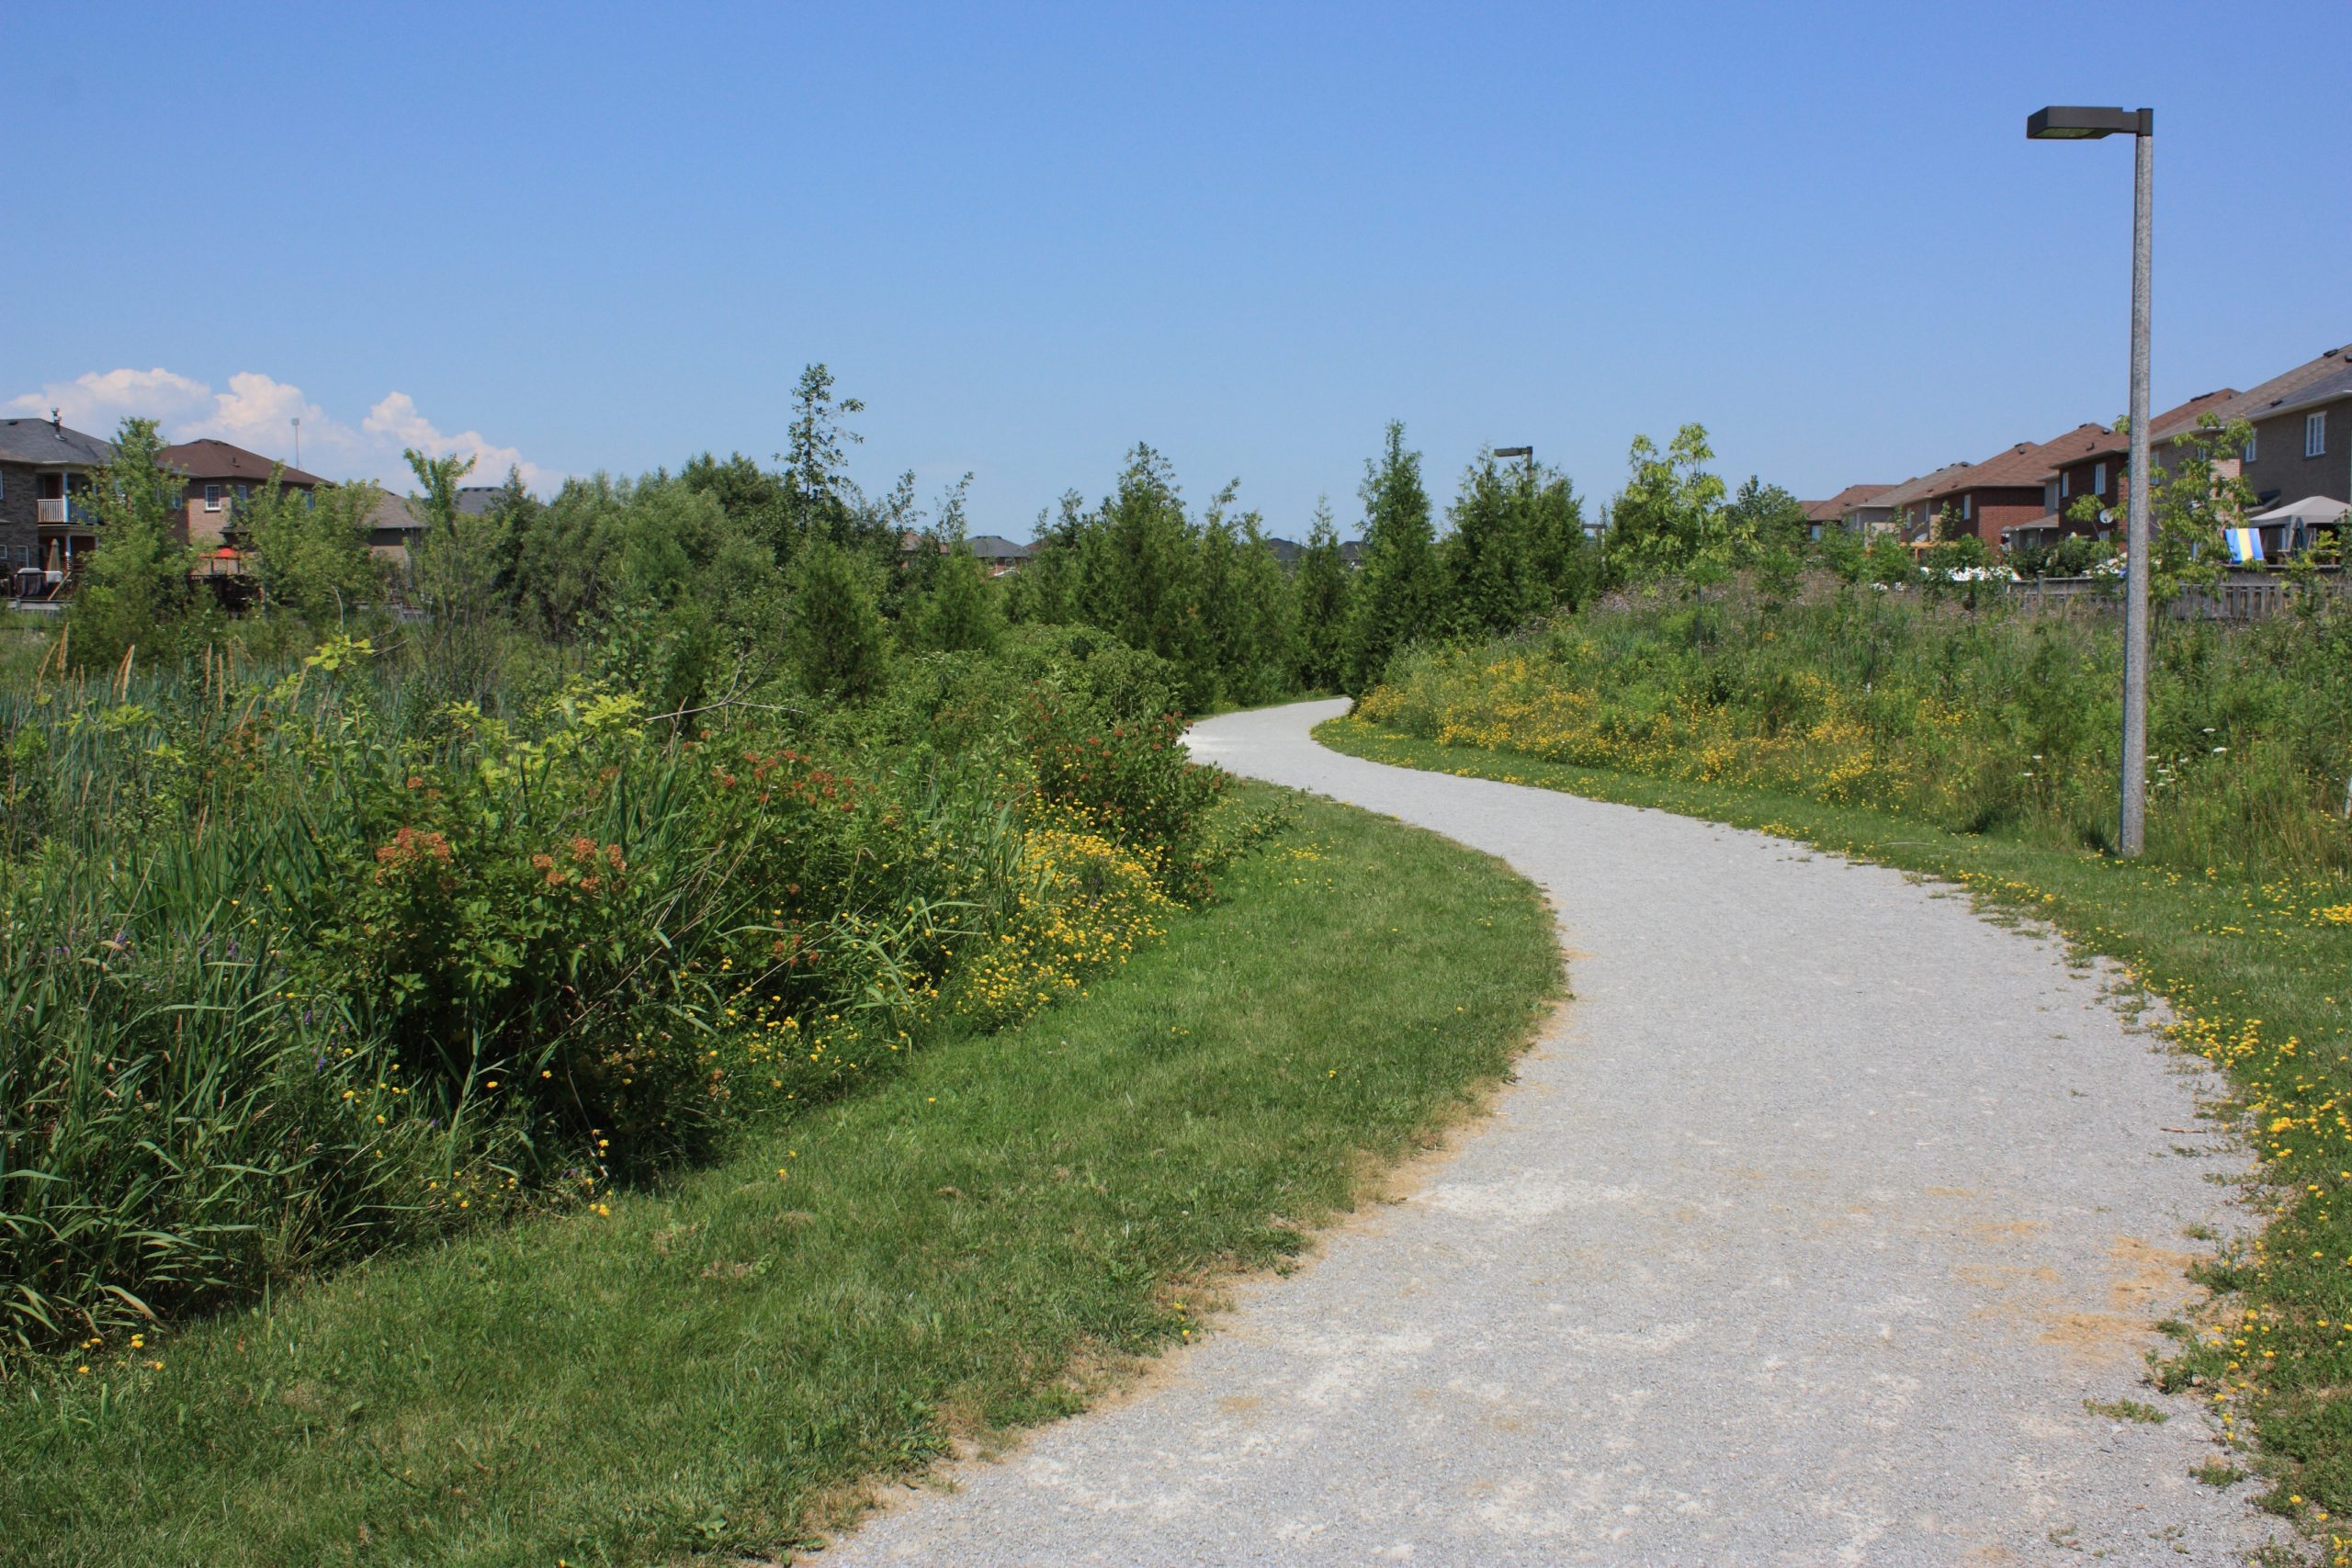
(304, 964)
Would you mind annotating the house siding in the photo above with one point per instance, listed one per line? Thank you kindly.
(19, 519)
(2279, 469)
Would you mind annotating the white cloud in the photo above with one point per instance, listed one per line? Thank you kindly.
(395, 419)
(258, 411)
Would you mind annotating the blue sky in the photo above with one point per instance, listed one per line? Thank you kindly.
(609, 237)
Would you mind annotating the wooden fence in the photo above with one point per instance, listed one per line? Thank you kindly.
(2240, 596)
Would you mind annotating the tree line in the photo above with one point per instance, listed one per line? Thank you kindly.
(729, 573)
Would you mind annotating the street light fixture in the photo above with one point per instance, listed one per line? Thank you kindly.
(2079, 124)
(1526, 452)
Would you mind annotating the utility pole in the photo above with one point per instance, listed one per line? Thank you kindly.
(2075, 124)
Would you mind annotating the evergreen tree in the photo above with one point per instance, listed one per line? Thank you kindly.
(134, 592)
(819, 498)
(1401, 588)
(1223, 647)
(954, 605)
(1137, 577)
(1044, 591)
(836, 632)
(1494, 578)
(1265, 621)
(1323, 588)
(1567, 563)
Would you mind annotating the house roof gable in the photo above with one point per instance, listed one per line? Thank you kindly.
(212, 459)
(1845, 500)
(40, 441)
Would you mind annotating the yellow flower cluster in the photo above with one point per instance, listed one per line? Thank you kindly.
(1520, 704)
(1090, 904)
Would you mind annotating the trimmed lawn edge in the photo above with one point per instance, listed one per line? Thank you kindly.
(1009, 1229)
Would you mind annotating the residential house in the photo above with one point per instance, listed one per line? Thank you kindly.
(2095, 461)
(45, 469)
(996, 553)
(218, 476)
(393, 528)
(1897, 510)
(2267, 402)
(2300, 463)
(1858, 500)
(477, 500)
(2004, 490)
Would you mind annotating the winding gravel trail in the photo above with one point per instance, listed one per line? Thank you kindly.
(1808, 1229)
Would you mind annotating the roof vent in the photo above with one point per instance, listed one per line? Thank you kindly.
(55, 424)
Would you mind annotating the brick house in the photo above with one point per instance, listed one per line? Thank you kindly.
(2302, 442)
(1853, 508)
(2268, 401)
(1896, 510)
(2098, 465)
(45, 468)
(219, 477)
(1999, 494)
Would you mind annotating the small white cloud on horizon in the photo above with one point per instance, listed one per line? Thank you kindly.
(395, 418)
(258, 411)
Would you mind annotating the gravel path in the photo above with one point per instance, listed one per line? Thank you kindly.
(1804, 1236)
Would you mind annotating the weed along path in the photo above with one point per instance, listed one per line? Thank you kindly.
(1812, 1232)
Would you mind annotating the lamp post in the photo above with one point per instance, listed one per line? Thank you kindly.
(1526, 452)
(2075, 124)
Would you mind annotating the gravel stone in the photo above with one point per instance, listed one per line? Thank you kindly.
(1806, 1231)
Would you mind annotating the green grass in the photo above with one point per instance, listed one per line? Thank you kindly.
(2257, 980)
(964, 1249)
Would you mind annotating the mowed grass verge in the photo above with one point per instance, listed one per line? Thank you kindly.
(2258, 978)
(712, 1370)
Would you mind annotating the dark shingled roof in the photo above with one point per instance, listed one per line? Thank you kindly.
(1911, 489)
(2325, 390)
(210, 459)
(38, 441)
(2023, 464)
(2259, 403)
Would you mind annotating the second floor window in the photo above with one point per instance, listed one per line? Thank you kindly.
(211, 498)
(2253, 439)
(1967, 509)
(2316, 435)
(2098, 478)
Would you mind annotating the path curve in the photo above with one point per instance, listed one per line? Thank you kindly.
(1808, 1229)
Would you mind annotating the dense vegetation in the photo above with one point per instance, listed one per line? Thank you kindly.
(300, 963)
(1983, 720)
(987, 1237)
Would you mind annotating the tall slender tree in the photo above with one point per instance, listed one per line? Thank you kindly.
(134, 592)
(1402, 588)
(1322, 604)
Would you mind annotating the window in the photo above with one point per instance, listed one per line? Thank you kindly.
(1967, 509)
(244, 492)
(2065, 485)
(211, 498)
(2316, 435)
(2253, 438)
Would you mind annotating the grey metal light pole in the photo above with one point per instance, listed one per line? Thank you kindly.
(2076, 124)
